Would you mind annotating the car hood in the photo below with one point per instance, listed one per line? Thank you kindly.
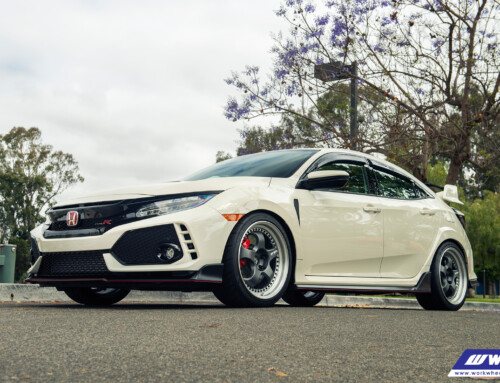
(168, 188)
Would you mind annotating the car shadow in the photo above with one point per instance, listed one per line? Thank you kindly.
(185, 306)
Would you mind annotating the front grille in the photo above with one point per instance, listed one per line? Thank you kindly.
(82, 224)
(71, 264)
(93, 219)
(141, 247)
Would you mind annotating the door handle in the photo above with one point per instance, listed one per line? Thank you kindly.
(372, 209)
(426, 211)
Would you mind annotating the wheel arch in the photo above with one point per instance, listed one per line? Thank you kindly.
(448, 235)
(454, 241)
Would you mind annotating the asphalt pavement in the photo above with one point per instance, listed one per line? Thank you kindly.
(156, 342)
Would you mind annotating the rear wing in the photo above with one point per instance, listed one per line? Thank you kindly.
(450, 194)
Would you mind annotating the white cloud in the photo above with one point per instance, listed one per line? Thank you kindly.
(134, 90)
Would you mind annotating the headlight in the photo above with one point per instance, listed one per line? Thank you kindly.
(172, 205)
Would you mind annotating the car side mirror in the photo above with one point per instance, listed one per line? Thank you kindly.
(450, 194)
(322, 179)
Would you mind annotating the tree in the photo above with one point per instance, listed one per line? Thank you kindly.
(222, 156)
(295, 130)
(483, 230)
(32, 174)
(435, 64)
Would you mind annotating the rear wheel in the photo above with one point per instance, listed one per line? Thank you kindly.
(449, 280)
(94, 296)
(300, 298)
(257, 263)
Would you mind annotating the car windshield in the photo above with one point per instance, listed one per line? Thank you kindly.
(281, 164)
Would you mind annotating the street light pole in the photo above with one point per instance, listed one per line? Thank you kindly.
(354, 106)
(336, 71)
(484, 283)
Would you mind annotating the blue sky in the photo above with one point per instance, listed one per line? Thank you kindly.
(134, 90)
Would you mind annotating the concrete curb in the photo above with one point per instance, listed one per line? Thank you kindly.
(13, 292)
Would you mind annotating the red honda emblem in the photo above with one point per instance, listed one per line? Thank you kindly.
(72, 218)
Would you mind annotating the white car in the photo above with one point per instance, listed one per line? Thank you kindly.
(289, 224)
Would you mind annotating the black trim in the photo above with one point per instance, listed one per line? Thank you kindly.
(473, 283)
(297, 207)
(135, 200)
(98, 218)
(423, 286)
(434, 186)
(205, 279)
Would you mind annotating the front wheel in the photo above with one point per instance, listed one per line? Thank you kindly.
(94, 296)
(449, 280)
(257, 263)
(300, 298)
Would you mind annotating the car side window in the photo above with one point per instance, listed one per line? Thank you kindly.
(357, 181)
(394, 186)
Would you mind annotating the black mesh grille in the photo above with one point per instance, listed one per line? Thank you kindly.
(34, 252)
(141, 247)
(82, 224)
(81, 263)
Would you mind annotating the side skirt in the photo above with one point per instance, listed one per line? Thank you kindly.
(423, 286)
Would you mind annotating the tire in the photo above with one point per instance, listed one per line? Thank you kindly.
(300, 298)
(257, 263)
(425, 300)
(449, 280)
(92, 296)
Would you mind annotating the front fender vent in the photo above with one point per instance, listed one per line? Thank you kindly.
(186, 240)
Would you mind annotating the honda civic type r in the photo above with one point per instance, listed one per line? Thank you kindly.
(289, 224)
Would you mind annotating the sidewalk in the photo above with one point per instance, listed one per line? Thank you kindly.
(33, 293)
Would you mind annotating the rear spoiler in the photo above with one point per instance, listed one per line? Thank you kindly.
(450, 194)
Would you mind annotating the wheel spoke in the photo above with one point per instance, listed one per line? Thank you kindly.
(261, 241)
(451, 290)
(272, 253)
(442, 270)
(248, 254)
(268, 272)
(255, 279)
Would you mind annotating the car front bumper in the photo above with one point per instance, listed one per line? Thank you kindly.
(128, 254)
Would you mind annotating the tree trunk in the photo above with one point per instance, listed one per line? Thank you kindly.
(454, 171)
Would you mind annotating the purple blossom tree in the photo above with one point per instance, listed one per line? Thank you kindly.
(428, 73)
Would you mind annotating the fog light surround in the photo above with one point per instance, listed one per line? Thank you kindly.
(169, 252)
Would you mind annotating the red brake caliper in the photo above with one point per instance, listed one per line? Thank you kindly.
(246, 245)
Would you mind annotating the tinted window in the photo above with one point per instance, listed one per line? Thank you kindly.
(421, 193)
(393, 186)
(356, 183)
(281, 164)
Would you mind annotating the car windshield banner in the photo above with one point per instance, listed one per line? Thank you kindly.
(477, 364)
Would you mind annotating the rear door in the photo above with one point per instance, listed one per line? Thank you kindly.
(409, 224)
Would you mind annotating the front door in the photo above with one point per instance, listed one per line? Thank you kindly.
(342, 229)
